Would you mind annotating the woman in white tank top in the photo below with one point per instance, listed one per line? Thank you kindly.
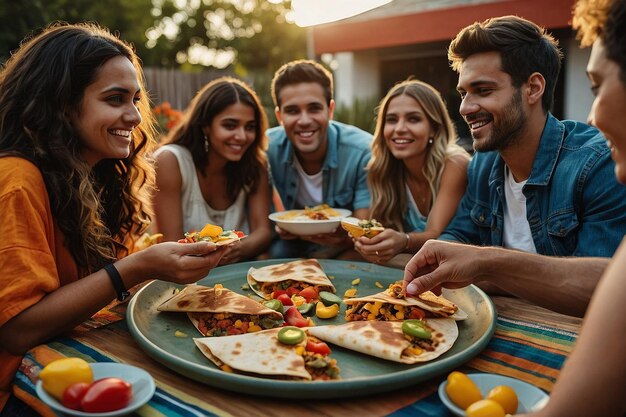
(212, 168)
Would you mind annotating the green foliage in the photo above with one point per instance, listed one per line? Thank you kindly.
(20, 18)
(361, 113)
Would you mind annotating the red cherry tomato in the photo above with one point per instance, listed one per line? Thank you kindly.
(277, 293)
(294, 318)
(292, 291)
(107, 394)
(317, 347)
(417, 313)
(239, 233)
(284, 298)
(74, 394)
(310, 293)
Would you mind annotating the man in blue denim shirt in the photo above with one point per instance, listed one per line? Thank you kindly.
(538, 185)
(315, 160)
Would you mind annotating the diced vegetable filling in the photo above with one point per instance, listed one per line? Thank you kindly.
(227, 324)
(385, 312)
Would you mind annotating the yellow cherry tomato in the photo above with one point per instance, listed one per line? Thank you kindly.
(485, 408)
(211, 230)
(506, 397)
(461, 390)
(61, 373)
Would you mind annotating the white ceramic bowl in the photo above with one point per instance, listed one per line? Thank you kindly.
(530, 398)
(142, 382)
(304, 226)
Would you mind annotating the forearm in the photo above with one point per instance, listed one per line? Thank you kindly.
(59, 311)
(564, 285)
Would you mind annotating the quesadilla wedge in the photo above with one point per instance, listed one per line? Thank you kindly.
(216, 311)
(386, 339)
(263, 355)
(393, 305)
(290, 277)
(357, 227)
(214, 234)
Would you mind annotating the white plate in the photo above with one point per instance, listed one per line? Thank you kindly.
(530, 398)
(303, 226)
(142, 382)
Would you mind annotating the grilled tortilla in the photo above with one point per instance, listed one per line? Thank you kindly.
(299, 274)
(392, 305)
(261, 354)
(221, 312)
(385, 339)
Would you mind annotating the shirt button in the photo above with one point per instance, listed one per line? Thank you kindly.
(481, 218)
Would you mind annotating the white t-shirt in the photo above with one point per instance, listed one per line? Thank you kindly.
(309, 187)
(516, 233)
(196, 211)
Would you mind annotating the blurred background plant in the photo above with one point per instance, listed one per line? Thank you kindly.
(167, 117)
(360, 113)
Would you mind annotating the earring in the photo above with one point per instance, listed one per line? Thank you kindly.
(206, 144)
(430, 141)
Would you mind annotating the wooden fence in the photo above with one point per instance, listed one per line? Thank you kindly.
(175, 86)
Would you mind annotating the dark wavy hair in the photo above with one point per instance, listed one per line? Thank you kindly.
(523, 46)
(605, 19)
(210, 101)
(97, 208)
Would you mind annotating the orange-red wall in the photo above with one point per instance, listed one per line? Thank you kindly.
(433, 25)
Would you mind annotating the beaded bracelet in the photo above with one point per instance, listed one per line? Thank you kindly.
(116, 280)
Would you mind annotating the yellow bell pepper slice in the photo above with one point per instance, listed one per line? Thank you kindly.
(211, 230)
(324, 312)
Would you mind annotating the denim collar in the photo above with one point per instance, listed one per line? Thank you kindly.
(546, 157)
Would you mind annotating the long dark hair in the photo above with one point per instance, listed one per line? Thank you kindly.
(43, 81)
(210, 101)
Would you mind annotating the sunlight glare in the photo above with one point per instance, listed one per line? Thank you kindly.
(309, 13)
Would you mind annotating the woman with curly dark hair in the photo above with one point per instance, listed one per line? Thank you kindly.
(213, 169)
(75, 182)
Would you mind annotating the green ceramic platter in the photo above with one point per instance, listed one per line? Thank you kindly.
(361, 374)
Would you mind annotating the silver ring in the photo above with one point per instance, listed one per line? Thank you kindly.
(377, 253)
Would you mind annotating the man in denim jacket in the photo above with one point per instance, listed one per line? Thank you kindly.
(537, 184)
(313, 159)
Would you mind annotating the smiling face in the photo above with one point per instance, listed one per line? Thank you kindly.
(107, 112)
(609, 105)
(231, 132)
(491, 105)
(407, 128)
(305, 114)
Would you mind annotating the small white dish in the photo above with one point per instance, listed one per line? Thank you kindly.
(295, 222)
(530, 398)
(141, 381)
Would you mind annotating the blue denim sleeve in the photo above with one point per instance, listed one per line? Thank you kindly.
(603, 222)
(462, 228)
(362, 192)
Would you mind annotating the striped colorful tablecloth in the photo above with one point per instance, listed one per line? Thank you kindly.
(524, 350)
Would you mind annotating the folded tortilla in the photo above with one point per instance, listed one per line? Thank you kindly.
(200, 302)
(261, 354)
(301, 273)
(357, 227)
(381, 303)
(385, 340)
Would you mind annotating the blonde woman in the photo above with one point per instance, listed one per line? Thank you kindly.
(417, 174)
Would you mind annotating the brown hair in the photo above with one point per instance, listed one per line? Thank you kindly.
(523, 46)
(210, 101)
(302, 71)
(98, 208)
